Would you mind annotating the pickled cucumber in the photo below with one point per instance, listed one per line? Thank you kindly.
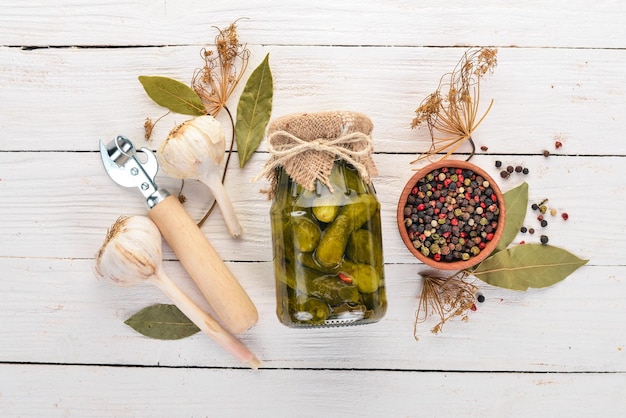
(306, 234)
(363, 248)
(309, 311)
(332, 245)
(326, 213)
(332, 290)
(364, 276)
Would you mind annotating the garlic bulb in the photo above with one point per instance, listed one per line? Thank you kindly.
(194, 150)
(131, 253)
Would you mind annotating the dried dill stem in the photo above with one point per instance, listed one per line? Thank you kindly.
(447, 297)
(217, 79)
(451, 112)
(222, 70)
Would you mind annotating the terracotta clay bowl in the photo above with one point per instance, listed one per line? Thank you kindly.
(457, 223)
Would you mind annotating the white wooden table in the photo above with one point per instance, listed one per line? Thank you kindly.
(68, 77)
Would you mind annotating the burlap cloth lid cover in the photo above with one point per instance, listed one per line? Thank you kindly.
(307, 145)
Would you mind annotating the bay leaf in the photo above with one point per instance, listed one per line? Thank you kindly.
(529, 265)
(162, 322)
(515, 203)
(172, 94)
(254, 111)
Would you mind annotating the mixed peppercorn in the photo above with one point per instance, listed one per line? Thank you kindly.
(542, 208)
(451, 214)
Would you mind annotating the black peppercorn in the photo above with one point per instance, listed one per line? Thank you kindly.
(544, 223)
(534, 206)
(498, 164)
(510, 169)
(480, 298)
(524, 171)
(523, 229)
(518, 169)
(544, 239)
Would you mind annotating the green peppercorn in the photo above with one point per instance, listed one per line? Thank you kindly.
(465, 256)
(543, 208)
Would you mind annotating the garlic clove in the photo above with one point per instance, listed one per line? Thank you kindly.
(131, 251)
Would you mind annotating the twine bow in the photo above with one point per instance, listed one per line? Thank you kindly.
(354, 148)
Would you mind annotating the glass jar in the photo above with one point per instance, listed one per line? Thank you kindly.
(327, 247)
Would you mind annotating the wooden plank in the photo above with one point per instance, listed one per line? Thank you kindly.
(56, 311)
(67, 99)
(73, 391)
(382, 23)
(61, 204)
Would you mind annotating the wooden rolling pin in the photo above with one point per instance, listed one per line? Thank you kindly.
(229, 301)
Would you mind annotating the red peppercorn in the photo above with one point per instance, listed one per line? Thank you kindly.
(437, 257)
(565, 216)
(421, 206)
(473, 308)
(458, 171)
(489, 236)
(558, 144)
(414, 190)
(454, 222)
(540, 218)
(482, 245)
(522, 242)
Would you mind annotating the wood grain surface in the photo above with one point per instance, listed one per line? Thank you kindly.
(68, 78)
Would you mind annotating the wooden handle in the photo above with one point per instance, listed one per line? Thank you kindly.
(227, 298)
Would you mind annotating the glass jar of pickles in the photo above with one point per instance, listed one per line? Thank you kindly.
(326, 232)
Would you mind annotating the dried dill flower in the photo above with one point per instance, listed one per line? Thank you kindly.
(451, 112)
(222, 70)
(149, 124)
(447, 297)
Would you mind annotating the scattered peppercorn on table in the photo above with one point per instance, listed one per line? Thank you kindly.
(70, 78)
